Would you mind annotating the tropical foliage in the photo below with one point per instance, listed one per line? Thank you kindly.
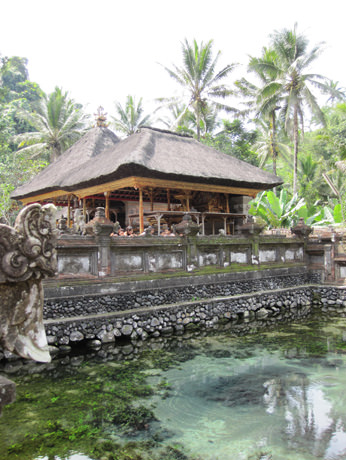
(57, 123)
(275, 100)
(277, 210)
(17, 94)
(234, 139)
(201, 80)
(130, 117)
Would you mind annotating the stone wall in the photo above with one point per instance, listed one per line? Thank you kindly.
(287, 304)
(96, 320)
(144, 295)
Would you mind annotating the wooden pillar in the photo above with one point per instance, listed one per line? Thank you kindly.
(151, 199)
(84, 208)
(107, 205)
(68, 211)
(187, 202)
(168, 199)
(203, 225)
(227, 202)
(228, 227)
(141, 211)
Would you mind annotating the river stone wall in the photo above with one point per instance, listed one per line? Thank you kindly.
(141, 315)
(88, 305)
(269, 308)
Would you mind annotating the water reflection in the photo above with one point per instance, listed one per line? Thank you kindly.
(277, 394)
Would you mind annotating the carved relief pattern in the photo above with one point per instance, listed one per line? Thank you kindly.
(29, 249)
(27, 254)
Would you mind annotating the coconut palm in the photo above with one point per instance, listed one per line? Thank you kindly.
(57, 124)
(263, 101)
(177, 112)
(268, 146)
(130, 117)
(293, 84)
(203, 84)
(336, 93)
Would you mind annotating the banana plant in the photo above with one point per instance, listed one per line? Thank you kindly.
(278, 211)
(329, 216)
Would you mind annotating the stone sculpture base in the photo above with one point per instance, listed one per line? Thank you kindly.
(7, 392)
(21, 323)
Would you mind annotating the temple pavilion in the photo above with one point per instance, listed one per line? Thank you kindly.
(151, 177)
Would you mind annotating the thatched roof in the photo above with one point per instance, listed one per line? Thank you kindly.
(151, 153)
(92, 144)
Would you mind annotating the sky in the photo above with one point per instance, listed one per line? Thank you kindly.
(102, 50)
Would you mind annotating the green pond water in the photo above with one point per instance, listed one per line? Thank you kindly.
(277, 394)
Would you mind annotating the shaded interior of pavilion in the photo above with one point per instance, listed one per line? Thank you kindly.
(158, 207)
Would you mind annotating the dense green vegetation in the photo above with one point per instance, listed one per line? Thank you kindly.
(261, 118)
(89, 410)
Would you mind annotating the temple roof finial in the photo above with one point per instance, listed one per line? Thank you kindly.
(101, 118)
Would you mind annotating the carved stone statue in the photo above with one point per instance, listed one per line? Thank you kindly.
(79, 222)
(301, 230)
(187, 227)
(27, 254)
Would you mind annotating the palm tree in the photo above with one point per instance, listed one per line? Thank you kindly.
(266, 148)
(179, 113)
(336, 93)
(198, 76)
(130, 118)
(263, 100)
(293, 85)
(57, 124)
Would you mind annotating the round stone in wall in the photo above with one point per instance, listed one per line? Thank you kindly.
(76, 336)
(127, 329)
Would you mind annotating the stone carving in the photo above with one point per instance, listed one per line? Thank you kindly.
(301, 230)
(79, 222)
(99, 225)
(251, 227)
(186, 227)
(27, 254)
(62, 226)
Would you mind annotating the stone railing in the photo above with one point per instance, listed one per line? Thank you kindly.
(101, 256)
(90, 252)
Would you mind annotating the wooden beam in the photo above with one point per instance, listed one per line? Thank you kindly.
(107, 187)
(44, 196)
(191, 186)
(144, 182)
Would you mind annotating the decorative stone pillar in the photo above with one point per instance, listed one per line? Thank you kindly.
(103, 228)
(27, 254)
(189, 229)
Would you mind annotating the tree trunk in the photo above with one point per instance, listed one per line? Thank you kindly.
(198, 123)
(273, 141)
(296, 141)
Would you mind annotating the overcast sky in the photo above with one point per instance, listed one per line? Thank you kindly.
(102, 50)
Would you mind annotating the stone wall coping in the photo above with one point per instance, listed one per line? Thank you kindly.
(68, 289)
